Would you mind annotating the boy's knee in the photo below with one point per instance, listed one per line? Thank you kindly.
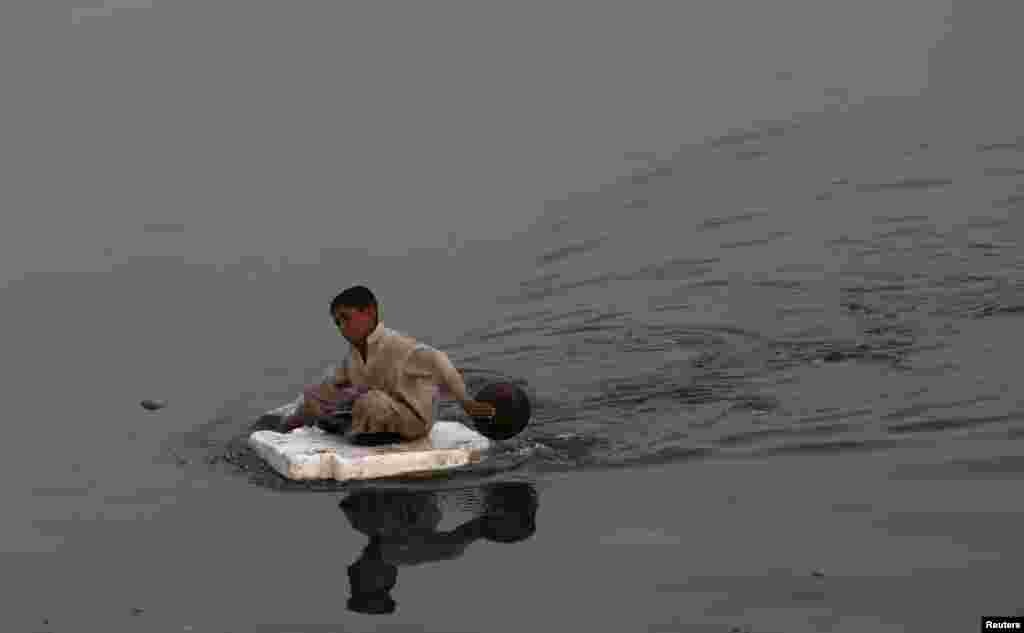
(373, 401)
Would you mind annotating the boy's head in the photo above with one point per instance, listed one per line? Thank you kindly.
(356, 313)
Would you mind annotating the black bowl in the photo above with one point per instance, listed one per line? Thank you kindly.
(512, 413)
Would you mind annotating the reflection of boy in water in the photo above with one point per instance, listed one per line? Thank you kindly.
(402, 527)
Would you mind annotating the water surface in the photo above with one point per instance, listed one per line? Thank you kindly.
(771, 342)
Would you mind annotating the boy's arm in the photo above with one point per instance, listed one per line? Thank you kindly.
(449, 377)
(311, 404)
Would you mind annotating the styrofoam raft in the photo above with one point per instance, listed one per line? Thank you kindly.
(310, 453)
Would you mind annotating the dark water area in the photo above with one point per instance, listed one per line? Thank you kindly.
(881, 315)
(773, 370)
(870, 334)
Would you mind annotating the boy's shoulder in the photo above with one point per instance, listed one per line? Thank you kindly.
(418, 346)
(394, 336)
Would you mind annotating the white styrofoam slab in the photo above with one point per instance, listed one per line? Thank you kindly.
(310, 453)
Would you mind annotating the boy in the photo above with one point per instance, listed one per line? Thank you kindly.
(390, 379)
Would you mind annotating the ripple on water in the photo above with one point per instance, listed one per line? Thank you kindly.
(719, 222)
(566, 252)
(989, 467)
(905, 184)
(1014, 145)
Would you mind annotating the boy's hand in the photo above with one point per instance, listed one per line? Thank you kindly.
(477, 409)
(332, 391)
(310, 408)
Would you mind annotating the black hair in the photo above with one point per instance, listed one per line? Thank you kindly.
(355, 297)
(371, 579)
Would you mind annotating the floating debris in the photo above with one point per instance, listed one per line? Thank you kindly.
(153, 405)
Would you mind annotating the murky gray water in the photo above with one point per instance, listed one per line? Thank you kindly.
(785, 338)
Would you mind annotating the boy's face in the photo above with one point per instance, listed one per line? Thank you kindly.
(355, 323)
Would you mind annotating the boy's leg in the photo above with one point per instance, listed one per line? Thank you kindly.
(378, 412)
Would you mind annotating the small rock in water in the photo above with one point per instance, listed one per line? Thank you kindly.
(153, 405)
(136, 611)
(817, 573)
